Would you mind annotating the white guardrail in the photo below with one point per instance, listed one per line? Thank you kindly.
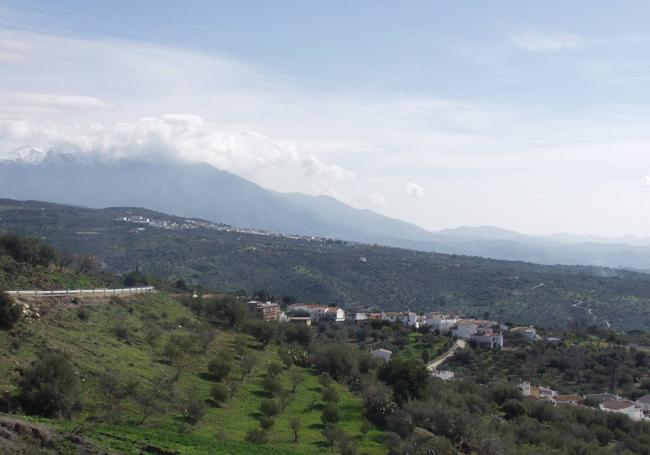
(37, 293)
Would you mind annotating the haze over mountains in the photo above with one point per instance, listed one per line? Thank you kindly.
(201, 190)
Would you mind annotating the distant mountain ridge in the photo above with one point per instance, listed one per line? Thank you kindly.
(203, 191)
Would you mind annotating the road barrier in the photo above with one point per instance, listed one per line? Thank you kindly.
(40, 293)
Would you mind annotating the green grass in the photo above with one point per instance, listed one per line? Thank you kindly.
(94, 348)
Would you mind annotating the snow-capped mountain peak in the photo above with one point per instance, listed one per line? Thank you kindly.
(26, 154)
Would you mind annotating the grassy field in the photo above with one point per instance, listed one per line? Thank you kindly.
(89, 334)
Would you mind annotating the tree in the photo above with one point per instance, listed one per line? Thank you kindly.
(247, 363)
(296, 424)
(408, 377)
(513, 409)
(114, 390)
(332, 434)
(257, 436)
(220, 367)
(274, 368)
(330, 394)
(181, 284)
(337, 359)
(296, 377)
(88, 264)
(206, 336)
(331, 414)
(149, 401)
(50, 387)
(9, 311)
(378, 401)
(191, 406)
(267, 422)
(270, 407)
(271, 384)
(262, 331)
(219, 392)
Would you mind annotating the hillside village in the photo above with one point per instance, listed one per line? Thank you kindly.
(483, 333)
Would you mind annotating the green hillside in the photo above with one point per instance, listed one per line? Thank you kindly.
(114, 336)
(156, 374)
(335, 272)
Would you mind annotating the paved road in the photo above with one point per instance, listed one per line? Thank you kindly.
(434, 364)
(42, 293)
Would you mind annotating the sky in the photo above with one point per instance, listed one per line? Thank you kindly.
(530, 116)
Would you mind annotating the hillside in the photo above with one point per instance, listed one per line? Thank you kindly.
(336, 272)
(111, 339)
(203, 191)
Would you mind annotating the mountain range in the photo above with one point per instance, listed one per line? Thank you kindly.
(203, 191)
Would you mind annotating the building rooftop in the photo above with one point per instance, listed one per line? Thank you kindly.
(617, 405)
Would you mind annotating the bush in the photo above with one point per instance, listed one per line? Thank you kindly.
(257, 436)
(275, 368)
(50, 387)
(267, 422)
(192, 408)
(220, 367)
(270, 408)
(9, 311)
(331, 395)
(513, 409)
(331, 414)
(219, 393)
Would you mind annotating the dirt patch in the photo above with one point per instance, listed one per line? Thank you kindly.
(20, 436)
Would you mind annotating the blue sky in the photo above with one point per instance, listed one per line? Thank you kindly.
(526, 115)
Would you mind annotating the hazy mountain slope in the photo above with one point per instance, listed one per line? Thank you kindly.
(200, 190)
(194, 190)
(335, 272)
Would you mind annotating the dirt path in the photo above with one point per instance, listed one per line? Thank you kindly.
(434, 364)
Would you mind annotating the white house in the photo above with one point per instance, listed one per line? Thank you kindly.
(316, 312)
(445, 375)
(492, 341)
(627, 407)
(464, 329)
(383, 354)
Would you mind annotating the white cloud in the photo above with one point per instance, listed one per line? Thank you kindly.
(112, 97)
(646, 181)
(377, 200)
(414, 190)
(187, 138)
(533, 39)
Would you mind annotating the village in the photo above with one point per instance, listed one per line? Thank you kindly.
(483, 333)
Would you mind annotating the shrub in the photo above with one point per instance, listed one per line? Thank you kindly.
(267, 422)
(270, 407)
(220, 367)
(192, 408)
(9, 311)
(331, 395)
(219, 393)
(275, 368)
(50, 387)
(513, 409)
(257, 436)
(331, 414)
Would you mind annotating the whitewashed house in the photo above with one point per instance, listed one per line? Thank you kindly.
(627, 407)
(383, 354)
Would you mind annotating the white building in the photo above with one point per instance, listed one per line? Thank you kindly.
(464, 329)
(492, 341)
(317, 312)
(627, 407)
(383, 354)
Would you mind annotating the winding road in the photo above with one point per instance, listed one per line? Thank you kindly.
(434, 364)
